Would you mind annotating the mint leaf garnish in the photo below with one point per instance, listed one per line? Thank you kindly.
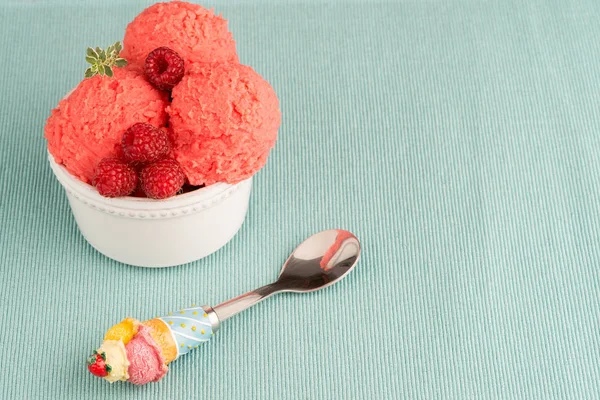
(103, 61)
(91, 53)
(121, 62)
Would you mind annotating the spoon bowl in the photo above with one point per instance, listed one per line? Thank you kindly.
(319, 261)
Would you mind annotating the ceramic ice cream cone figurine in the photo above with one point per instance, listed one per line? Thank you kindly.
(139, 352)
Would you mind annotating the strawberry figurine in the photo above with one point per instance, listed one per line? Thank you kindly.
(97, 364)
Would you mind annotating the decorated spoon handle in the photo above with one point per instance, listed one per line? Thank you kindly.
(191, 327)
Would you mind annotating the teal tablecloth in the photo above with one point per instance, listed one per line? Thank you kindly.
(459, 140)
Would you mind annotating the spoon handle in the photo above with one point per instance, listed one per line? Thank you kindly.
(238, 304)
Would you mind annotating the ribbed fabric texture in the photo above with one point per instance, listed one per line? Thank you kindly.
(459, 140)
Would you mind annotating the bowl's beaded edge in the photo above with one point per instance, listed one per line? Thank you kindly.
(196, 207)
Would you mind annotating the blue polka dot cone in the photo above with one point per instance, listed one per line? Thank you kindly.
(190, 328)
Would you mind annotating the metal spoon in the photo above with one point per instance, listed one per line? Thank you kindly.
(320, 261)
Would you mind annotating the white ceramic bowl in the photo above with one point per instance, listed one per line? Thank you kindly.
(157, 233)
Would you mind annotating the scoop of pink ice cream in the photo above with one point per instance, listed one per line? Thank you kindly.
(224, 119)
(88, 125)
(197, 34)
(146, 363)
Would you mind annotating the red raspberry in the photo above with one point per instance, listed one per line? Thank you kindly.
(143, 143)
(114, 178)
(163, 68)
(162, 179)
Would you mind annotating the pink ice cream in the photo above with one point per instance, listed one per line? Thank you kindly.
(88, 125)
(224, 119)
(197, 34)
(146, 363)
